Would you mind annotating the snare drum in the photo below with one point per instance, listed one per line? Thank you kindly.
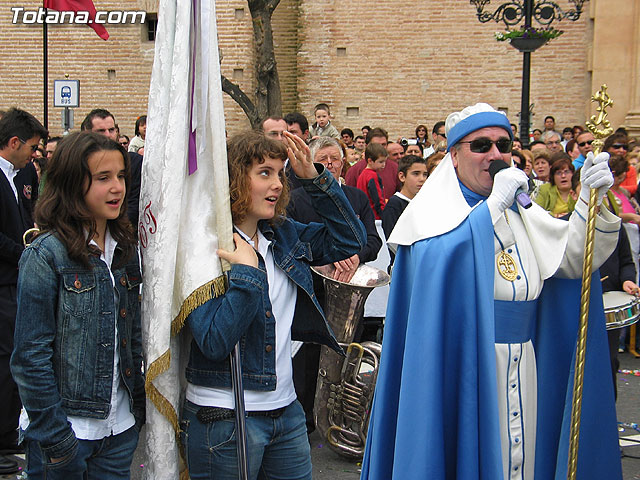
(620, 309)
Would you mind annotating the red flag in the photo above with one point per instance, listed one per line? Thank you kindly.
(79, 6)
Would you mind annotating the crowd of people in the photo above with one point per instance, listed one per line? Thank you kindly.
(71, 298)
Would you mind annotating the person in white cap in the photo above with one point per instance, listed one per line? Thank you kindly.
(476, 370)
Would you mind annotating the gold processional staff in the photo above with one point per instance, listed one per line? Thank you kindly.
(604, 101)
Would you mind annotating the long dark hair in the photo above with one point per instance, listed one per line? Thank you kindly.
(62, 209)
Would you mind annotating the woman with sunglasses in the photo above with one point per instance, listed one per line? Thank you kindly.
(421, 136)
(618, 144)
(557, 197)
(124, 141)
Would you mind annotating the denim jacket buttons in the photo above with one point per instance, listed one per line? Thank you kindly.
(78, 296)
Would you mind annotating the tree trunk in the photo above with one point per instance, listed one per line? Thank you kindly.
(268, 96)
(268, 99)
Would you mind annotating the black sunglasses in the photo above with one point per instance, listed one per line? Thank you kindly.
(443, 135)
(32, 147)
(483, 145)
(620, 145)
(588, 142)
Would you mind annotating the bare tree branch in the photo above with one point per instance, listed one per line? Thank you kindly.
(241, 98)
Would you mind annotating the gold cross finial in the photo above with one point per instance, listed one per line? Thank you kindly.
(604, 101)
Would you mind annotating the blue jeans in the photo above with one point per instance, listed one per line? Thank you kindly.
(278, 448)
(106, 459)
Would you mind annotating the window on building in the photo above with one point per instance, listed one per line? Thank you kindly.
(151, 27)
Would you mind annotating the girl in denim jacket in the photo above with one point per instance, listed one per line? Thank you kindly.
(77, 358)
(269, 301)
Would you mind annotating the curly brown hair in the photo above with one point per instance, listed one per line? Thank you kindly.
(62, 208)
(243, 151)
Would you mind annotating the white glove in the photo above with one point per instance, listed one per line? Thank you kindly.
(595, 173)
(505, 184)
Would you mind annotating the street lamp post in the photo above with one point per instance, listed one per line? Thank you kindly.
(544, 12)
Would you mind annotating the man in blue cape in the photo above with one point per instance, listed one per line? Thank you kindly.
(476, 372)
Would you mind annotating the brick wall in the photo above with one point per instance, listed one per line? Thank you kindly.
(414, 62)
(401, 63)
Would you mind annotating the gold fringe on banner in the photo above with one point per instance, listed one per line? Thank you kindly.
(159, 366)
(201, 295)
(198, 297)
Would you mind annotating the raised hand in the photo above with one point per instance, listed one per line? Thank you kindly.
(300, 156)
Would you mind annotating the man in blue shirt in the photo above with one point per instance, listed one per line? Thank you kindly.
(584, 140)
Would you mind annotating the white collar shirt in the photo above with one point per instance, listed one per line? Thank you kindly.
(10, 172)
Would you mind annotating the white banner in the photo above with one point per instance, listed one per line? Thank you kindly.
(184, 216)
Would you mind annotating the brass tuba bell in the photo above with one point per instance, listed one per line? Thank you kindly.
(344, 392)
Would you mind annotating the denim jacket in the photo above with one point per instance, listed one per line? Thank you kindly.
(64, 340)
(244, 314)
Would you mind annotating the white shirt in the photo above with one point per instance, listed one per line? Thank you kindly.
(402, 196)
(283, 294)
(10, 172)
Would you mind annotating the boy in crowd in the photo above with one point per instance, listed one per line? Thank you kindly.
(412, 173)
(353, 156)
(323, 127)
(369, 180)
